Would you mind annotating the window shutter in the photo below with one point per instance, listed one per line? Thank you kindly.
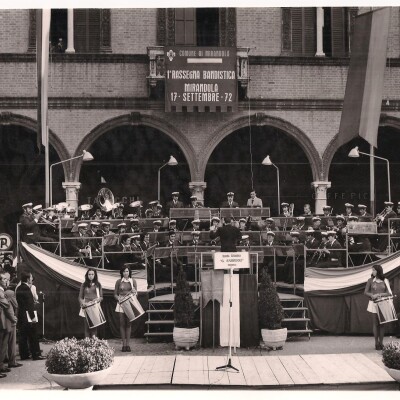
(297, 31)
(87, 30)
(338, 31)
(185, 26)
(80, 31)
(309, 31)
(93, 30)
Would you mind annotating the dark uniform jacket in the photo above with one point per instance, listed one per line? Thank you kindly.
(229, 236)
(26, 304)
(226, 204)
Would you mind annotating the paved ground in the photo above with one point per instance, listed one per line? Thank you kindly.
(30, 376)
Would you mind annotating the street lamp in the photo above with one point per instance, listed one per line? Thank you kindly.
(172, 161)
(86, 156)
(267, 161)
(355, 153)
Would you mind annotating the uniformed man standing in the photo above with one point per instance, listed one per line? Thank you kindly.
(230, 203)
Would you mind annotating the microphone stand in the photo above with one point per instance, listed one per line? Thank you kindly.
(43, 340)
(229, 364)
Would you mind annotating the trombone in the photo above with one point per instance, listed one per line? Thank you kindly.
(44, 220)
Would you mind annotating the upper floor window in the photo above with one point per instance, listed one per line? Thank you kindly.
(299, 30)
(196, 26)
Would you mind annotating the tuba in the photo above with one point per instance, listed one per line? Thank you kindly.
(105, 199)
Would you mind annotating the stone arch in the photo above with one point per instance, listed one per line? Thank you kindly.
(261, 119)
(136, 118)
(31, 124)
(333, 146)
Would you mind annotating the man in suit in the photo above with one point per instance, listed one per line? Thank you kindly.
(28, 340)
(174, 203)
(7, 319)
(12, 326)
(363, 215)
(230, 203)
(228, 234)
(79, 245)
(383, 226)
(254, 201)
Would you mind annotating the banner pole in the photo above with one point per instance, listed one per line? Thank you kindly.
(372, 179)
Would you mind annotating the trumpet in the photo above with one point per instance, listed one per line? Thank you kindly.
(40, 217)
(380, 217)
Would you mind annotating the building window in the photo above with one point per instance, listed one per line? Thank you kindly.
(87, 30)
(196, 27)
(299, 31)
(58, 30)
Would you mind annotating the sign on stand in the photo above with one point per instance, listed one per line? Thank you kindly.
(200, 79)
(227, 260)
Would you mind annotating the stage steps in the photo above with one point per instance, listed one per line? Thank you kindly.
(296, 318)
(159, 322)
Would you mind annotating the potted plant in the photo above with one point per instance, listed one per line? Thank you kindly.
(270, 313)
(185, 334)
(79, 364)
(391, 359)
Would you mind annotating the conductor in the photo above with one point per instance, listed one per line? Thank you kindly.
(228, 234)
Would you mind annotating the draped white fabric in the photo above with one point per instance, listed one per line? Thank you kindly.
(224, 313)
(317, 279)
(76, 272)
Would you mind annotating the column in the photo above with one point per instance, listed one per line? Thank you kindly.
(197, 189)
(71, 193)
(320, 188)
(320, 27)
(70, 48)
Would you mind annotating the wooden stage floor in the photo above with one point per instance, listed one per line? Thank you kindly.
(353, 371)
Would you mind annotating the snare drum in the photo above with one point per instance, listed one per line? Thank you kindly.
(94, 314)
(131, 307)
(385, 309)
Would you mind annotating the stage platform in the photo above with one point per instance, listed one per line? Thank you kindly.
(309, 372)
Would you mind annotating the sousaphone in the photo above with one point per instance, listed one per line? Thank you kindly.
(105, 199)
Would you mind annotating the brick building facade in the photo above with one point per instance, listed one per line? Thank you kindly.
(287, 91)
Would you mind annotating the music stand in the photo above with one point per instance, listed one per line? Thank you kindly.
(230, 261)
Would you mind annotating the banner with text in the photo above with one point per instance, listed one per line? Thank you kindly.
(200, 79)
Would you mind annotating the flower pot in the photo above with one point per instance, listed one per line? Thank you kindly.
(274, 338)
(186, 338)
(79, 381)
(394, 373)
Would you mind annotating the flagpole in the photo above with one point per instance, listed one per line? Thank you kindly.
(372, 178)
(47, 168)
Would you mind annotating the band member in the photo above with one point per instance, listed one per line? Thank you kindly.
(71, 213)
(245, 242)
(196, 225)
(311, 241)
(158, 213)
(307, 210)
(30, 230)
(230, 203)
(85, 209)
(332, 251)
(144, 241)
(119, 211)
(301, 224)
(125, 244)
(328, 224)
(195, 239)
(285, 210)
(98, 214)
(349, 209)
(215, 223)
(91, 290)
(268, 225)
(383, 226)
(298, 262)
(109, 237)
(270, 239)
(148, 213)
(172, 225)
(254, 201)
(363, 215)
(134, 228)
(121, 228)
(243, 224)
(193, 202)
(124, 286)
(377, 287)
(319, 256)
(153, 206)
(157, 226)
(80, 246)
(316, 226)
(341, 229)
(49, 227)
(175, 203)
(327, 210)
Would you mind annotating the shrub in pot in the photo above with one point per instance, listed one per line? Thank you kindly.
(391, 359)
(79, 364)
(270, 313)
(185, 334)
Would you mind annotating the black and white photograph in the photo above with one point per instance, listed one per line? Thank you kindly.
(200, 196)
